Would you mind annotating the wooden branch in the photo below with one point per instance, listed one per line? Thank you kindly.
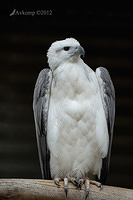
(31, 189)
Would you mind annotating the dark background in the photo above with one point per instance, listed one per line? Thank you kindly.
(106, 33)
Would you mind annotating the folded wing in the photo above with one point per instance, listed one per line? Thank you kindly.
(108, 98)
(40, 108)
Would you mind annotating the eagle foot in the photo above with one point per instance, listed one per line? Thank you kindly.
(87, 183)
(79, 184)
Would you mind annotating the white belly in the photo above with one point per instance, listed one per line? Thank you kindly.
(77, 131)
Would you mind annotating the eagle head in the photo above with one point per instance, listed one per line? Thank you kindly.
(68, 50)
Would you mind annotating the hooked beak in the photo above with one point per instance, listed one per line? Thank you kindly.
(79, 50)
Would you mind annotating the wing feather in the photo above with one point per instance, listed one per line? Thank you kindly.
(108, 98)
(40, 108)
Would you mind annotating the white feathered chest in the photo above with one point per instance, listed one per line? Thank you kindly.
(77, 131)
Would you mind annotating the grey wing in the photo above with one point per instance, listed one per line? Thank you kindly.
(40, 108)
(108, 98)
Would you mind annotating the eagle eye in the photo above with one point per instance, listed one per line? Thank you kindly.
(66, 48)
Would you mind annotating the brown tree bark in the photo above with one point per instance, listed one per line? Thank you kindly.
(31, 189)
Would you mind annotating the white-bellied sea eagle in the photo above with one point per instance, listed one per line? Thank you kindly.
(74, 110)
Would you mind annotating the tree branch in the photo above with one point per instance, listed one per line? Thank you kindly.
(31, 189)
